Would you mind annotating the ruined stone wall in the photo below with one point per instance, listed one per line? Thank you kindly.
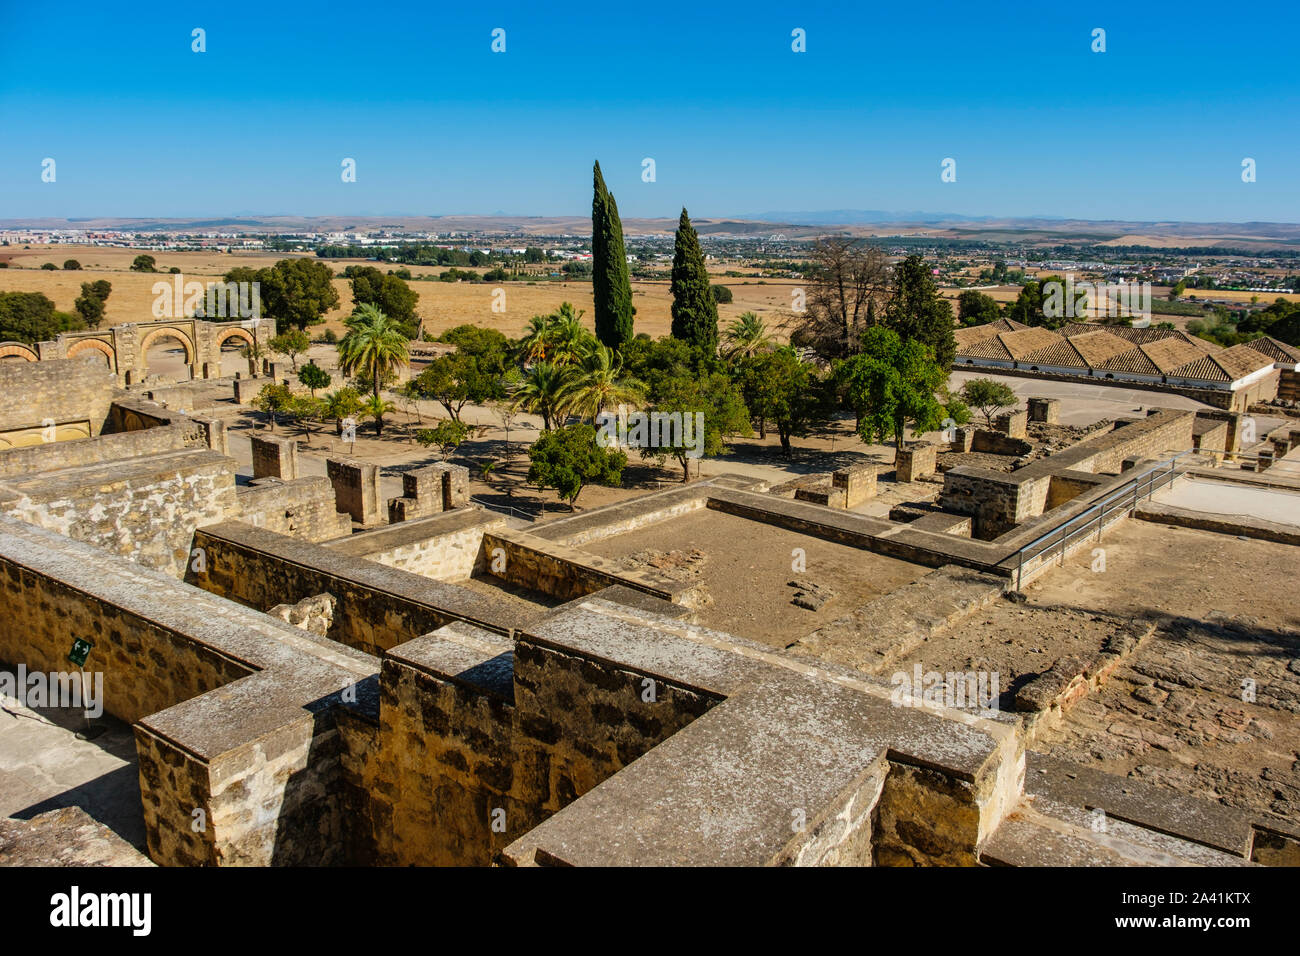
(454, 556)
(378, 607)
(145, 509)
(103, 448)
(561, 571)
(63, 390)
(996, 501)
(303, 507)
(506, 740)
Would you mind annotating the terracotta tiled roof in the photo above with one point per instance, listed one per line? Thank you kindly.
(1061, 352)
(978, 333)
(1134, 360)
(989, 348)
(1225, 366)
(1277, 351)
(1096, 347)
(1171, 352)
(1024, 341)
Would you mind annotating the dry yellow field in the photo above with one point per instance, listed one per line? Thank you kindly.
(442, 305)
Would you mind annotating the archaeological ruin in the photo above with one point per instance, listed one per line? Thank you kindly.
(949, 661)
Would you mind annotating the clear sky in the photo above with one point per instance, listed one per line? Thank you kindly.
(1155, 128)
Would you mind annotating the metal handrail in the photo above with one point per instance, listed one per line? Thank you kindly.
(1131, 492)
(506, 509)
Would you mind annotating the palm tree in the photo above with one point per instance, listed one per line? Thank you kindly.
(745, 337)
(536, 341)
(570, 341)
(374, 346)
(598, 383)
(376, 408)
(541, 392)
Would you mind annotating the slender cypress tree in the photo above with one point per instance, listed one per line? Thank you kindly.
(695, 313)
(609, 281)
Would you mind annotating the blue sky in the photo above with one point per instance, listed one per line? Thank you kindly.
(1155, 128)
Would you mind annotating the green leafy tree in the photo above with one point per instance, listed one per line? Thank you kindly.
(292, 343)
(447, 435)
(30, 317)
(296, 292)
(374, 346)
(722, 405)
(779, 388)
(272, 399)
(340, 404)
(388, 293)
(71, 265)
(91, 303)
(50, 267)
(456, 380)
(1042, 303)
(569, 459)
(989, 396)
(976, 308)
(917, 311)
(721, 294)
(312, 376)
(302, 410)
(610, 285)
(694, 311)
(892, 382)
(144, 263)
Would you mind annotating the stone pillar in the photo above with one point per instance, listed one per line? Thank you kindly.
(1047, 410)
(275, 457)
(356, 488)
(246, 389)
(1265, 461)
(857, 483)
(1013, 424)
(422, 494)
(915, 461)
(455, 486)
(963, 439)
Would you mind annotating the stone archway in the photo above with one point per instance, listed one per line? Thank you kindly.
(233, 333)
(17, 350)
(164, 369)
(93, 345)
(229, 362)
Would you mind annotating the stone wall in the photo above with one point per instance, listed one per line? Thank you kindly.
(996, 501)
(527, 561)
(61, 390)
(303, 508)
(145, 509)
(378, 607)
(1013, 424)
(999, 443)
(445, 547)
(100, 450)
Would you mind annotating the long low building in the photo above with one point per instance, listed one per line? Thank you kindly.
(1166, 359)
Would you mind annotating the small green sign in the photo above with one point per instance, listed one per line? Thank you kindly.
(80, 651)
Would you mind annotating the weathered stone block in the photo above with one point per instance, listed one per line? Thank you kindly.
(274, 457)
(1013, 424)
(857, 483)
(356, 488)
(1047, 410)
(916, 461)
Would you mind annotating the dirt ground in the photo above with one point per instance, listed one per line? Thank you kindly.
(746, 568)
(1173, 714)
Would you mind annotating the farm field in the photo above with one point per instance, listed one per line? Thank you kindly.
(442, 305)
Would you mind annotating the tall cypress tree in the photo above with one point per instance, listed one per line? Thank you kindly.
(695, 313)
(609, 281)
